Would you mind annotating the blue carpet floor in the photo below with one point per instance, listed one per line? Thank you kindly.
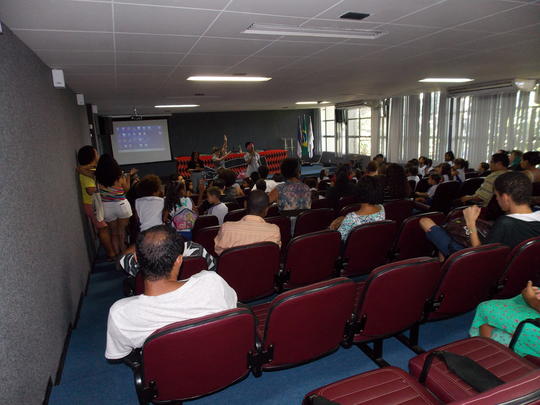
(89, 379)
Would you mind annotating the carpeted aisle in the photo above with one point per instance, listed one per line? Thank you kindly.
(89, 379)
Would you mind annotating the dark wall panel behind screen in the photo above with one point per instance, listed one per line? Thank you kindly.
(44, 262)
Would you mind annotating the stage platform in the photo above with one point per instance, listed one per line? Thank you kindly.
(315, 170)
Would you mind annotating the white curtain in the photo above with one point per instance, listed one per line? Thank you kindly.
(341, 131)
(317, 133)
(375, 130)
(395, 129)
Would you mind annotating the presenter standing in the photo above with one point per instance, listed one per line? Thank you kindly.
(252, 158)
(219, 154)
(195, 167)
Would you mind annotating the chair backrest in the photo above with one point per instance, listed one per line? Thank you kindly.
(206, 236)
(523, 264)
(313, 221)
(308, 322)
(349, 208)
(368, 246)
(445, 194)
(191, 266)
(250, 270)
(284, 224)
(411, 240)
(393, 297)
(468, 278)
(232, 205)
(471, 174)
(344, 201)
(311, 257)
(321, 203)
(423, 184)
(273, 211)
(204, 221)
(536, 189)
(172, 362)
(235, 215)
(398, 210)
(412, 185)
(469, 186)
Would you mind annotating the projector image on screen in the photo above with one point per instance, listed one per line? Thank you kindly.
(140, 141)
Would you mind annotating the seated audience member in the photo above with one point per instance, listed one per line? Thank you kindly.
(87, 158)
(449, 157)
(422, 166)
(371, 195)
(445, 171)
(165, 300)
(379, 159)
(498, 166)
(343, 186)
(175, 199)
(483, 169)
(396, 184)
(250, 229)
(149, 205)
(323, 175)
(371, 169)
(216, 207)
(498, 320)
(515, 160)
(254, 177)
(311, 182)
(459, 167)
(433, 180)
(454, 174)
(293, 194)
(232, 188)
(513, 192)
(260, 185)
(529, 161)
(270, 184)
(412, 174)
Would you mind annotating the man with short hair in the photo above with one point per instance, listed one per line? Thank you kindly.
(513, 191)
(252, 158)
(498, 165)
(250, 229)
(166, 299)
(270, 184)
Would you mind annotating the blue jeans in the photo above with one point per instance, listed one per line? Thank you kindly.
(443, 241)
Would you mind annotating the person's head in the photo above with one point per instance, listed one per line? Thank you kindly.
(413, 162)
(449, 156)
(502, 151)
(213, 195)
(278, 178)
(422, 160)
(515, 156)
(159, 253)
(173, 192)
(250, 146)
(263, 171)
(396, 181)
(444, 168)
(460, 163)
(290, 168)
(381, 169)
(194, 155)
(219, 183)
(260, 185)
(378, 159)
(257, 203)
(499, 161)
(429, 162)
(107, 170)
(369, 190)
(323, 174)
(371, 168)
(412, 171)
(216, 150)
(530, 160)
(454, 172)
(483, 167)
(228, 176)
(434, 179)
(87, 155)
(311, 182)
(512, 188)
(343, 175)
(255, 176)
(150, 185)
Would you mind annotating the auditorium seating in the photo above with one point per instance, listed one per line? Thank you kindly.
(273, 211)
(344, 201)
(232, 205)
(523, 264)
(321, 203)
(203, 221)
(235, 215)
(284, 224)
(349, 208)
(444, 196)
(469, 186)
(250, 270)
(368, 246)
(313, 220)
(206, 236)
(398, 210)
(310, 258)
(411, 240)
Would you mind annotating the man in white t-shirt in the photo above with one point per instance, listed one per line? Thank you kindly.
(165, 300)
(270, 184)
(252, 158)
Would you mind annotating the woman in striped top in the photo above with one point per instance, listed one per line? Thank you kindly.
(113, 186)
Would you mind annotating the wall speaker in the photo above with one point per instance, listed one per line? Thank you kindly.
(58, 79)
(80, 99)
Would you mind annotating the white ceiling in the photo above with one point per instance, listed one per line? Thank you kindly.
(138, 53)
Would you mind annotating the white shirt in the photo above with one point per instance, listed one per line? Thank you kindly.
(150, 211)
(219, 210)
(431, 190)
(415, 178)
(255, 163)
(133, 319)
(270, 185)
(532, 217)
(461, 174)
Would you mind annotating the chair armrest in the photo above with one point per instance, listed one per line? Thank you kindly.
(421, 206)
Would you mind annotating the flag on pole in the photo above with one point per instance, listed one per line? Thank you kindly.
(310, 139)
(299, 139)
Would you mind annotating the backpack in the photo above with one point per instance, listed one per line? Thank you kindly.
(183, 219)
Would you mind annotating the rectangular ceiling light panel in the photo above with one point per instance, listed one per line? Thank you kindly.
(289, 30)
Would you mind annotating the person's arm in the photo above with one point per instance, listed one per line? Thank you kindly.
(531, 295)
(273, 196)
(125, 182)
(248, 157)
(471, 214)
(165, 216)
(219, 245)
(86, 171)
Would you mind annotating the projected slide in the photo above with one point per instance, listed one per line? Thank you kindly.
(140, 141)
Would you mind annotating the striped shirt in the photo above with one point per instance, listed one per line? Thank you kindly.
(113, 193)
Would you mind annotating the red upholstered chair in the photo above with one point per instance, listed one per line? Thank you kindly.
(273, 211)
(411, 240)
(250, 270)
(498, 359)
(310, 258)
(469, 186)
(306, 323)
(232, 206)
(385, 386)
(349, 208)
(468, 277)
(204, 221)
(398, 210)
(523, 264)
(197, 357)
(445, 194)
(368, 246)
(320, 203)
(313, 221)
(392, 300)
(344, 201)
(235, 215)
(284, 224)
(206, 236)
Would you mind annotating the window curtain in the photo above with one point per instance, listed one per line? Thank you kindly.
(375, 130)
(395, 129)
(317, 132)
(341, 131)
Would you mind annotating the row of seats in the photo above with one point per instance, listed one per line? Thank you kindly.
(192, 358)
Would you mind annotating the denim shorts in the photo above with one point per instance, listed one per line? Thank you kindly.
(444, 242)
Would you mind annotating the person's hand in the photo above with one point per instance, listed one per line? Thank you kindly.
(531, 292)
(202, 185)
(133, 171)
(336, 223)
(471, 214)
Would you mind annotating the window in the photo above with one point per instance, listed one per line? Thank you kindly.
(328, 129)
(359, 130)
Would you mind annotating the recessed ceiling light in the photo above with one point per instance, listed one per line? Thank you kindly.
(324, 102)
(273, 29)
(306, 102)
(229, 78)
(445, 80)
(177, 106)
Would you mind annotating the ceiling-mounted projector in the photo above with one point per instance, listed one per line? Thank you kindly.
(525, 84)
